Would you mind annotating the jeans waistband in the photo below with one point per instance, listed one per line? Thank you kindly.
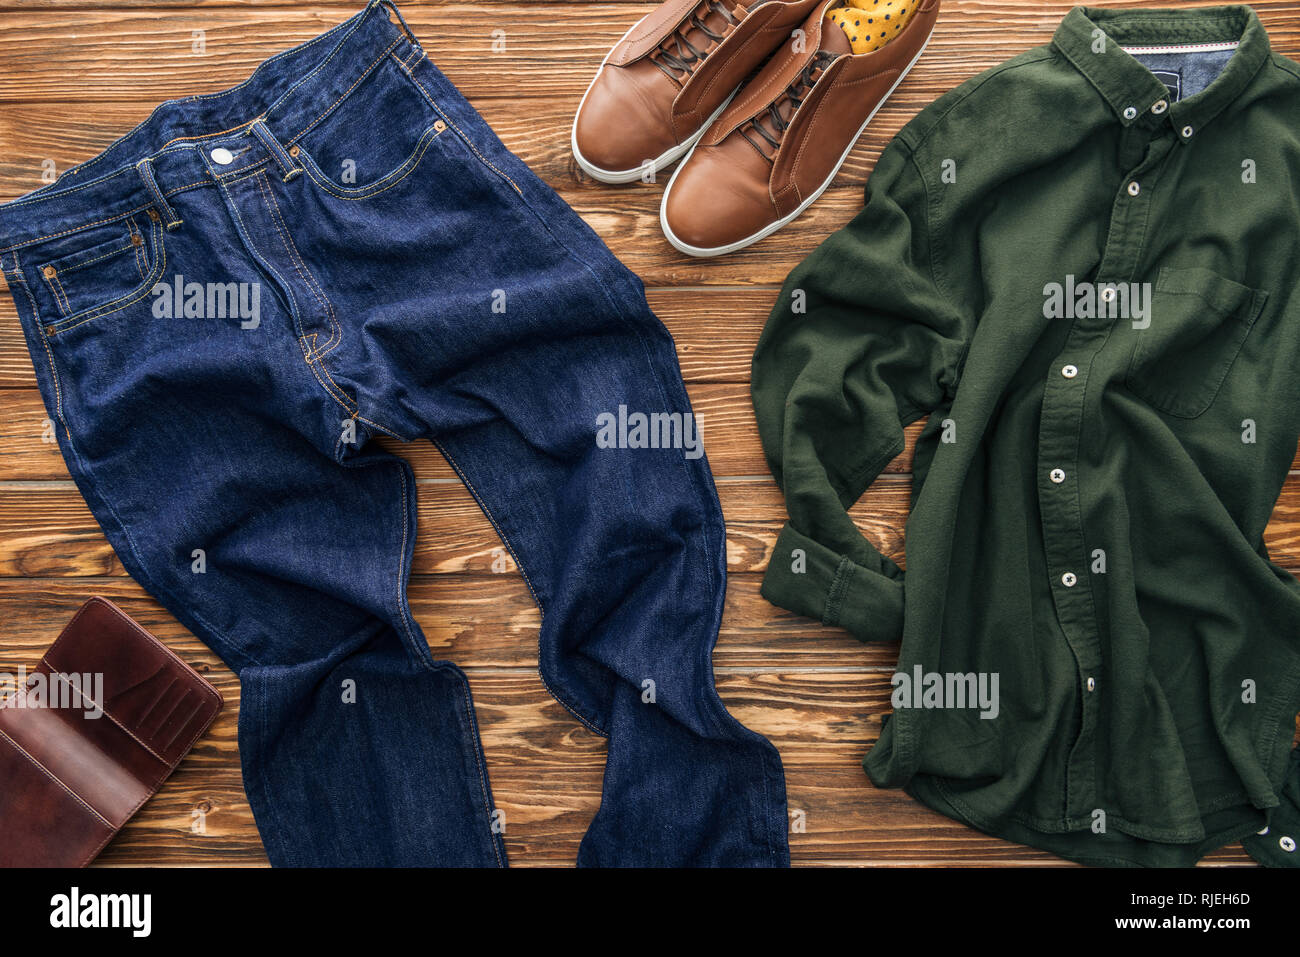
(172, 151)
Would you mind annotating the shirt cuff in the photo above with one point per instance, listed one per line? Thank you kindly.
(822, 584)
(1271, 849)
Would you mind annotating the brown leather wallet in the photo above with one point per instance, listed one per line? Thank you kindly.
(91, 735)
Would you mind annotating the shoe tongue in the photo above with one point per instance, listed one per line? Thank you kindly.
(834, 39)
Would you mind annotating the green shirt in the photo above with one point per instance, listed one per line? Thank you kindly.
(1082, 265)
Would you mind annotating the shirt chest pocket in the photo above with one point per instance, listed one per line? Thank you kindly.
(1197, 324)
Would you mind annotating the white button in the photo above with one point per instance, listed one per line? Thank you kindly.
(1069, 580)
(1108, 294)
(1262, 832)
(1070, 371)
(1287, 844)
(1130, 113)
(1092, 684)
(1057, 476)
(1134, 188)
(1187, 132)
(1160, 107)
(222, 156)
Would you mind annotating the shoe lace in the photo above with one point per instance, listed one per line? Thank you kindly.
(678, 64)
(793, 97)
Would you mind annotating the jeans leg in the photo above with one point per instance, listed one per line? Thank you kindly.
(366, 751)
(209, 454)
(624, 551)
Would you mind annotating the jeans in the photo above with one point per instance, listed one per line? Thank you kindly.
(227, 305)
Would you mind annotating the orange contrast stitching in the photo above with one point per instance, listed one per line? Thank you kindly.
(330, 109)
(470, 142)
(131, 297)
(318, 176)
(299, 266)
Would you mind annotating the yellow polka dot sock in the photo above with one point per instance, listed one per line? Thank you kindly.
(870, 24)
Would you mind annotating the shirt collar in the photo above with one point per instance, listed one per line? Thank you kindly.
(1092, 39)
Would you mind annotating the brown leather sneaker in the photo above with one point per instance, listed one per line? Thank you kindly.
(660, 87)
(785, 135)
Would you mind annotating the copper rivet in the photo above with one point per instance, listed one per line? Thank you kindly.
(295, 151)
(49, 272)
(439, 126)
(137, 239)
(153, 214)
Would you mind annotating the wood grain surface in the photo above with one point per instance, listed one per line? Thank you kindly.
(77, 74)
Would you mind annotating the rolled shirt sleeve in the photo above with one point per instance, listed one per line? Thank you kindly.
(863, 341)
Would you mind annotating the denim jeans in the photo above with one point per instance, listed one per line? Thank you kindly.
(225, 307)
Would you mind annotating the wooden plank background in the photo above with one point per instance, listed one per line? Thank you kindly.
(76, 74)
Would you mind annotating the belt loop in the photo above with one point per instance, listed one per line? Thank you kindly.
(288, 165)
(400, 21)
(145, 169)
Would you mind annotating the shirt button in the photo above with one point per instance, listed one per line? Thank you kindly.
(222, 156)
(1286, 843)
(1069, 580)
(1160, 107)
(1134, 188)
(1130, 113)
(1187, 132)
(1057, 476)
(1262, 831)
(1070, 371)
(1092, 684)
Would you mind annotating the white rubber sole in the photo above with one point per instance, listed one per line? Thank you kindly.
(769, 229)
(670, 156)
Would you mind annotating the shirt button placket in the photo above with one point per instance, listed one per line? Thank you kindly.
(1065, 414)
(1060, 510)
